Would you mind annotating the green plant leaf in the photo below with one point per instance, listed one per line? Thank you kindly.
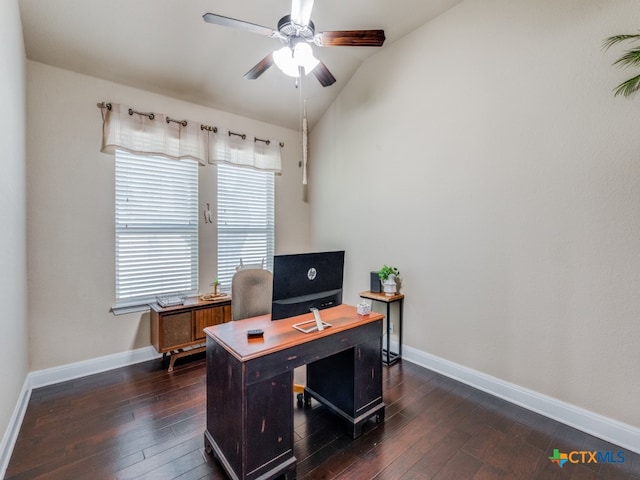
(386, 270)
(626, 88)
(609, 42)
(630, 59)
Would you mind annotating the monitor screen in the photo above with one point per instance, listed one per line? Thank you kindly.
(305, 280)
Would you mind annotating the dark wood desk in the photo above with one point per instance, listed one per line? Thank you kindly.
(249, 385)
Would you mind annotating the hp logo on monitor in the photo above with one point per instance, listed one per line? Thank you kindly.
(311, 274)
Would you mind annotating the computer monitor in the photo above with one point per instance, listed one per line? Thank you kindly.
(305, 280)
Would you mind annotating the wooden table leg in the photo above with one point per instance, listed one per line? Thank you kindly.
(175, 355)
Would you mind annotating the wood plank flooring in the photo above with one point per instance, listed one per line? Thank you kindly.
(140, 422)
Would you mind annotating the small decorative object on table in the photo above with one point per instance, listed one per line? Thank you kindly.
(210, 297)
(215, 285)
(388, 276)
(364, 309)
(215, 295)
(170, 300)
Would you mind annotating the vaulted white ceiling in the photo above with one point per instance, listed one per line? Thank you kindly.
(164, 46)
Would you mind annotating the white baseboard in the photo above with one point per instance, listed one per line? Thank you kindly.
(11, 433)
(50, 376)
(618, 433)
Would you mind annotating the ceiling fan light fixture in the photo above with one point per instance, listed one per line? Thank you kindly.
(303, 56)
(284, 60)
(297, 31)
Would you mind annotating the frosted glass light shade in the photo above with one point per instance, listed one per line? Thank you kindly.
(284, 60)
(303, 56)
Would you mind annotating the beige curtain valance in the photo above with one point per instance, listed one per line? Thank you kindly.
(245, 151)
(157, 134)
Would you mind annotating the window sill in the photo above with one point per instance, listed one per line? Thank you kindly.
(130, 309)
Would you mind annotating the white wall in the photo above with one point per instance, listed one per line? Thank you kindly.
(486, 157)
(71, 213)
(13, 254)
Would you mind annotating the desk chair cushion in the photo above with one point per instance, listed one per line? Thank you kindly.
(251, 290)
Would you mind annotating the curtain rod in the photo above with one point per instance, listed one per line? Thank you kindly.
(184, 123)
(268, 142)
(151, 115)
(241, 135)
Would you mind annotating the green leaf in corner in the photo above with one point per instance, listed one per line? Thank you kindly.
(630, 59)
(627, 87)
(609, 42)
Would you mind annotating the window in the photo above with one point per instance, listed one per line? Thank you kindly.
(245, 220)
(156, 227)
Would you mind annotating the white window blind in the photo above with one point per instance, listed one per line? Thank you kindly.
(156, 227)
(245, 220)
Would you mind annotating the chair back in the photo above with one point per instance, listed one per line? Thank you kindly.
(251, 290)
(245, 266)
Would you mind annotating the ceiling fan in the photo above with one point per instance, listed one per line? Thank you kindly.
(296, 31)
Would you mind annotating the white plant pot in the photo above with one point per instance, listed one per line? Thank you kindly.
(389, 285)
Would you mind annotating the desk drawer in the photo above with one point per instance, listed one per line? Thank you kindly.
(308, 352)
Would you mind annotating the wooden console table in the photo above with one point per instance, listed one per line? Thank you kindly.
(178, 331)
(249, 385)
(389, 357)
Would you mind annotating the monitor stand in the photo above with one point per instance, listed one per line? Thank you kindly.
(312, 325)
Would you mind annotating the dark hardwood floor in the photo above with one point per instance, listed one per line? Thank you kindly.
(140, 422)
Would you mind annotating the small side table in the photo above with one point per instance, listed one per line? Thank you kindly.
(178, 331)
(389, 357)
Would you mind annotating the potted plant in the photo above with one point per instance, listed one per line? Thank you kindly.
(388, 277)
(215, 285)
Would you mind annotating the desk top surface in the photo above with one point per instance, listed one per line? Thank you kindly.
(280, 334)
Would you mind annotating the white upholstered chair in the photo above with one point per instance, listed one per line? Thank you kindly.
(251, 293)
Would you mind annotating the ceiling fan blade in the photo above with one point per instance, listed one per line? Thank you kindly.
(233, 23)
(351, 38)
(323, 75)
(301, 12)
(260, 67)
